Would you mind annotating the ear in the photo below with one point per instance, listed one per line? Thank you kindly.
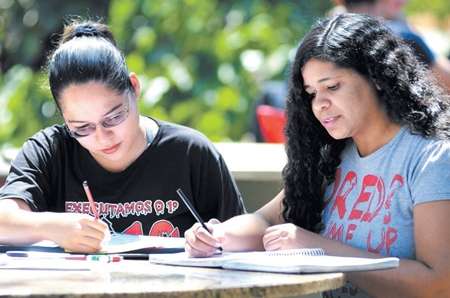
(135, 84)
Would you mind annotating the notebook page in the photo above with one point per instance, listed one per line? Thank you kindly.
(182, 259)
(126, 243)
(311, 264)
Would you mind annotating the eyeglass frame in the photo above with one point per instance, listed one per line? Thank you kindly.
(93, 126)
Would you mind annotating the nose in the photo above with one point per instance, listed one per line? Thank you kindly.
(103, 135)
(320, 103)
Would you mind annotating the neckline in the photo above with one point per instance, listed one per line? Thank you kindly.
(151, 128)
(380, 151)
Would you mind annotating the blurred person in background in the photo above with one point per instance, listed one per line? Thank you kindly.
(392, 12)
(268, 111)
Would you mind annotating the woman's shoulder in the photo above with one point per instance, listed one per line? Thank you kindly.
(406, 146)
(50, 135)
(425, 150)
(47, 143)
(175, 132)
(426, 144)
(180, 136)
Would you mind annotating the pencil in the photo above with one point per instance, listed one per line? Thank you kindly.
(90, 199)
(194, 212)
(191, 208)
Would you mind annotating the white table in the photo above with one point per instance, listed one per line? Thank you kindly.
(134, 279)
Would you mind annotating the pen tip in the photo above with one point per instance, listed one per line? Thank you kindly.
(85, 183)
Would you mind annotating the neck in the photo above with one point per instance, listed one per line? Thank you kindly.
(368, 143)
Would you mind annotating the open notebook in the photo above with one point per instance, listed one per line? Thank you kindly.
(219, 260)
(119, 243)
(284, 261)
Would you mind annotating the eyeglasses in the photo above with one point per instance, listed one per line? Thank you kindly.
(107, 122)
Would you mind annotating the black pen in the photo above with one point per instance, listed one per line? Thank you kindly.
(194, 212)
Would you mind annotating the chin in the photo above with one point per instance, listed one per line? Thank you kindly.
(114, 157)
(338, 135)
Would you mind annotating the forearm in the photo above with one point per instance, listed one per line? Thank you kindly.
(71, 231)
(240, 233)
(19, 226)
(244, 232)
(411, 279)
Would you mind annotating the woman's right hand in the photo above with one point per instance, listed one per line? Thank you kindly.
(203, 243)
(76, 232)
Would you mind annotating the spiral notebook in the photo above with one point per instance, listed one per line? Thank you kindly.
(284, 261)
(219, 260)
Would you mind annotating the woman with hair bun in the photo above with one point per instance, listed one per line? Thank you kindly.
(368, 172)
(133, 164)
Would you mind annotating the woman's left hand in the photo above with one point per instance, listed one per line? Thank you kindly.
(287, 236)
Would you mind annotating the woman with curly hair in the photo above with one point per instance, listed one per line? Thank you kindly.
(368, 171)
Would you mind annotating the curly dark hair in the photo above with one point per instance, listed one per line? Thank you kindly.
(405, 90)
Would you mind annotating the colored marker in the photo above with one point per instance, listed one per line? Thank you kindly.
(90, 198)
(54, 256)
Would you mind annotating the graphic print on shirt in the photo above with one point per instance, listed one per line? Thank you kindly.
(358, 212)
(362, 205)
(134, 229)
(164, 228)
(111, 211)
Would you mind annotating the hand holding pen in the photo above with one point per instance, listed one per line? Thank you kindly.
(78, 232)
(90, 198)
(199, 244)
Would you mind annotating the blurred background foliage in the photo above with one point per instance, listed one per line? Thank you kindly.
(201, 63)
(439, 9)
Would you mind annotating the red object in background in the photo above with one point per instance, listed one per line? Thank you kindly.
(271, 122)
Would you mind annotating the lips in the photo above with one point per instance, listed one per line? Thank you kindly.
(111, 149)
(329, 120)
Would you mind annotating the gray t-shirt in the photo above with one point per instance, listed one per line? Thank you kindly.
(370, 204)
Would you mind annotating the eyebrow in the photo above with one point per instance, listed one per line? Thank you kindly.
(107, 113)
(319, 81)
(325, 79)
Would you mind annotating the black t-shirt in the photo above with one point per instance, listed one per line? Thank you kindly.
(49, 170)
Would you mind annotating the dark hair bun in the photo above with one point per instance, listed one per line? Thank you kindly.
(87, 52)
(85, 30)
(78, 29)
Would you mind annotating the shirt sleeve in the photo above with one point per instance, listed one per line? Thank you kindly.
(231, 203)
(215, 192)
(431, 180)
(28, 178)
